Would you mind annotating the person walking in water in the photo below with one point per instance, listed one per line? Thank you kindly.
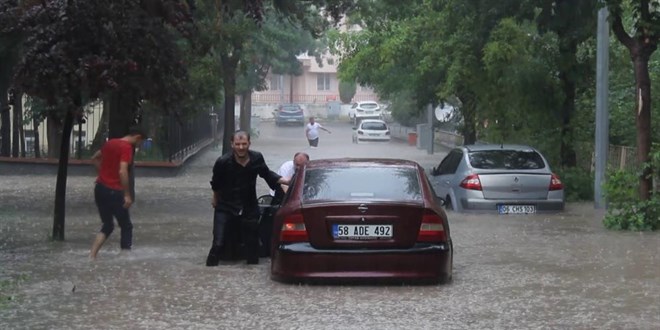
(312, 132)
(112, 192)
(236, 210)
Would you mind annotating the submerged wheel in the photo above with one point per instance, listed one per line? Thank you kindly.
(448, 203)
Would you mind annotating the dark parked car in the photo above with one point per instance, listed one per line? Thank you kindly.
(288, 114)
(352, 219)
(497, 178)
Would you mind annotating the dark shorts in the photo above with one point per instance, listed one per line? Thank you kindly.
(110, 203)
(313, 143)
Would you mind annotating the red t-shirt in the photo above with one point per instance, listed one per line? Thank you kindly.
(112, 153)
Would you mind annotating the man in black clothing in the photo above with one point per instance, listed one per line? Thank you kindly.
(235, 199)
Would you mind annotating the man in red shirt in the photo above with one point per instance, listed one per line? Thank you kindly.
(112, 192)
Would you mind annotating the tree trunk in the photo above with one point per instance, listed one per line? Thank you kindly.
(643, 119)
(54, 132)
(5, 123)
(567, 78)
(17, 123)
(102, 130)
(123, 107)
(469, 113)
(60, 186)
(37, 144)
(229, 65)
(18, 109)
(246, 111)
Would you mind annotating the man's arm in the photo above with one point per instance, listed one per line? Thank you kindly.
(96, 160)
(125, 183)
(325, 129)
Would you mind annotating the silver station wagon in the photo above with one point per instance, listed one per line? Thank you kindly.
(507, 179)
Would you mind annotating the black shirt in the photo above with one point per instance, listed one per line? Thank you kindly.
(236, 184)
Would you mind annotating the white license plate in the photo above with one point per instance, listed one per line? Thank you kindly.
(361, 231)
(516, 209)
(369, 112)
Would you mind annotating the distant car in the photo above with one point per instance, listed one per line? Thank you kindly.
(288, 114)
(498, 178)
(364, 110)
(371, 130)
(353, 219)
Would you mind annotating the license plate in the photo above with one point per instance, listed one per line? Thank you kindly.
(292, 119)
(516, 209)
(369, 112)
(374, 134)
(361, 231)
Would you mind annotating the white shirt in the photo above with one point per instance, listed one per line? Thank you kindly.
(286, 170)
(313, 130)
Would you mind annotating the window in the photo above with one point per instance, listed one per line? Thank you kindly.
(275, 83)
(323, 82)
(374, 183)
(506, 159)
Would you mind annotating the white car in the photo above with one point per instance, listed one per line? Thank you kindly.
(371, 130)
(364, 110)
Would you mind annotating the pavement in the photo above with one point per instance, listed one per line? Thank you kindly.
(544, 271)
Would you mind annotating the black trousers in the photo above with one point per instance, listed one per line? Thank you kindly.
(234, 237)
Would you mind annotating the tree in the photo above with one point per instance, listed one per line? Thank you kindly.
(347, 90)
(641, 43)
(75, 50)
(234, 24)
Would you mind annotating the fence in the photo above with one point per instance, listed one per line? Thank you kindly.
(276, 98)
(171, 138)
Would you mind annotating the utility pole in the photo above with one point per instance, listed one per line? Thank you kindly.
(602, 115)
(430, 115)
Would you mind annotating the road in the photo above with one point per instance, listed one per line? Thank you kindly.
(562, 271)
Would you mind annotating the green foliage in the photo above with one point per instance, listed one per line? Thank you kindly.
(625, 210)
(347, 90)
(578, 184)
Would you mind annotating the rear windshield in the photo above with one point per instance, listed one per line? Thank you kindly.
(506, 159)
(291, 108)
(374, 126)
(369, 105)
(360, 183)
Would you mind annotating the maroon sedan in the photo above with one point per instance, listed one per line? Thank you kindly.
(348, 219)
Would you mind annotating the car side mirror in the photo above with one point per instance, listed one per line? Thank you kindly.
(434, 171)
(354, 127)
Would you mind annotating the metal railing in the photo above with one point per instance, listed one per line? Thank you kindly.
(171, 138)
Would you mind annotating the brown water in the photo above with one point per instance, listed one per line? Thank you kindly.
(561, 271)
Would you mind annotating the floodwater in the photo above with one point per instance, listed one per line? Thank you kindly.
(560, 271)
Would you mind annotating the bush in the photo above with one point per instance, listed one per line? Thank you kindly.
(625, 211)
(578, 184)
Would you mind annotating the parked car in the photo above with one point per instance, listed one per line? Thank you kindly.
(371, 130)
(364, 110)
(352, 219)
(287, 114)
(499, 178)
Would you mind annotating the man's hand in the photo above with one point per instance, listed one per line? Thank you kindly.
(128, 201)
(214, 200)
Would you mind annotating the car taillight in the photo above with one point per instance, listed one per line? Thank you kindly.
(555, 183)
(293, 229)
(387, 132)
(471, 182)
(431, 229)
(361, 132)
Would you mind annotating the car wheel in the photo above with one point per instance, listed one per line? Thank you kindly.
(448, 203)
(355, 122)
(353, 139)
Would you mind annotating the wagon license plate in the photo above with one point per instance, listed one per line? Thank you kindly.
(516, 209)
(361, 231)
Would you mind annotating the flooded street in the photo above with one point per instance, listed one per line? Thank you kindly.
(560, 271)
